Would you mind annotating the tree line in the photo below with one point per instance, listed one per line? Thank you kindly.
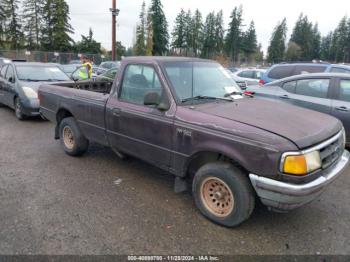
(43, 25)
(306, 42)
(193, 35)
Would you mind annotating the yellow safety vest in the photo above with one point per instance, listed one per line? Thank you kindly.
(89, 68)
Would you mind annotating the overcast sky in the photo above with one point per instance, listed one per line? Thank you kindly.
(95, 14)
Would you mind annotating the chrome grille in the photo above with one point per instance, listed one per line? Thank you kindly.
(331, 152)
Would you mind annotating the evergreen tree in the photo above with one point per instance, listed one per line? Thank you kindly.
(88, 45)
(149, 40)
(140, 46)
(303, 36)
(197, 32)
(188, 25)
(47, 26)
(234, 35)
(340, 38)
(159, 28)
(249, 42)
(56, 26)
(219, 33)
(316, 42)
(32, 14)
(178, 34)
(326, 47)
(13, 31)
(2, 23)
(209, 43)
(277, 45)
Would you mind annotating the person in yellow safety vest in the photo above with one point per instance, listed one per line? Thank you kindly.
(85, 71)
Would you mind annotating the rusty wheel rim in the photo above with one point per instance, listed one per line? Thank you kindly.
(68, 138)
(217, 197)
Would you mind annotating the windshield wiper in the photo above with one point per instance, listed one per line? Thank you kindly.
(200, 97)
(235, 93)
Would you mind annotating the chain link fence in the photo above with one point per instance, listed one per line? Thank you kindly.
(49, 57)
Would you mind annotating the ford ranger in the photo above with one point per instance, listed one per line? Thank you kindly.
(188, 117)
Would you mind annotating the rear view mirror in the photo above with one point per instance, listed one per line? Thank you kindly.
(11, 79)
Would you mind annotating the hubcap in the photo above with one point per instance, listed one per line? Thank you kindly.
(18, 108)
(217, 197)
(68, 138)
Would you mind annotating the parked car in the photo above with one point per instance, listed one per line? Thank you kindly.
(187, 117)
(104, 66)
(324, 92)
(107, 76)
(75, 62)
(3, 61)
(232, 69)
(284, 70)
(19, 83)
(249, 76)
(69, 68)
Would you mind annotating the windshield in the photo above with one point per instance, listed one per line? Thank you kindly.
(69, 68)
(41, 73)
(200, 79)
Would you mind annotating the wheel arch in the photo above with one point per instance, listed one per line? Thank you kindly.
(202, 157)
(62, 113)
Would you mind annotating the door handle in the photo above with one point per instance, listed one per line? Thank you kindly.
(342, 108)
(117, 111)
(284, 97)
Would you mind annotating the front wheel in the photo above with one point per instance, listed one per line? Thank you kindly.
(72, 139)
(19, 109)
(223, 193)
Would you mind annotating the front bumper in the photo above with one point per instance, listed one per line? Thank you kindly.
(30, 107)
(281, 196)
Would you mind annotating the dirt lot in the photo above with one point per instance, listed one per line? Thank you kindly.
(51, 203)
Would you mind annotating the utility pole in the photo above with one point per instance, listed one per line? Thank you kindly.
(115, 13)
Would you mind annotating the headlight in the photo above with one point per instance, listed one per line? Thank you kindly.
(29, 92)
(302, 164)
(344, 138)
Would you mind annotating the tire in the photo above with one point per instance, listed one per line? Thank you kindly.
(18, 109)
(72, 139)
(223, 194)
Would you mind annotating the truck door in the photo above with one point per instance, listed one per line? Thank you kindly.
(134, 128)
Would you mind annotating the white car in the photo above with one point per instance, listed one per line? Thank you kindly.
(249, 76)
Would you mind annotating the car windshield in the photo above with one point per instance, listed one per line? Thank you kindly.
(205, 80)
(70, 68)
(41, 73)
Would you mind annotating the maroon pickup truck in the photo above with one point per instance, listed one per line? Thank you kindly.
(189, 118)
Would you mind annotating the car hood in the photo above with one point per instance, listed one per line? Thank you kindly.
(301, 126)
(35, 85)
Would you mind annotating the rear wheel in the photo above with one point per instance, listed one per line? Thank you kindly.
(19, 109)
(223, 193)
(72, 139)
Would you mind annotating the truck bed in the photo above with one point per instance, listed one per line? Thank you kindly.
(93, 86)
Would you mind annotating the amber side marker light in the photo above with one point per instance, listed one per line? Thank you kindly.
(302, 165)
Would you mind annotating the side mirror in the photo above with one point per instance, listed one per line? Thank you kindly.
(151, 99)
(154, 99)
(11, 79)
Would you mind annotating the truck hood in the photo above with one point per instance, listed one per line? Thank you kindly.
(301, 126)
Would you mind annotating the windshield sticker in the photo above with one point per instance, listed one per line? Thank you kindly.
(54, 70)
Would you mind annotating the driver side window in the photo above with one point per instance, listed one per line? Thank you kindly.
(138, 81)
